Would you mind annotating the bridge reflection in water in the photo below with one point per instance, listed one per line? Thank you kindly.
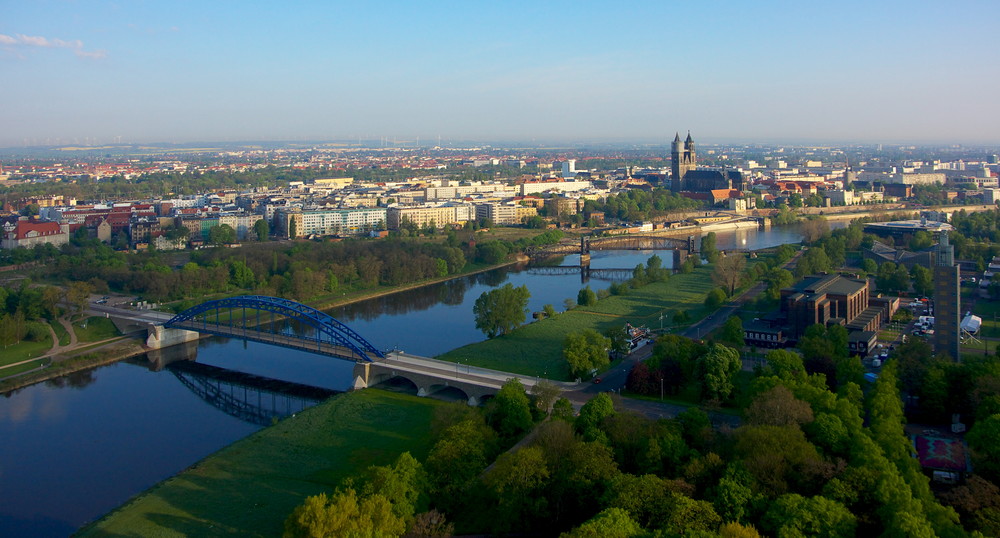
(250, 398)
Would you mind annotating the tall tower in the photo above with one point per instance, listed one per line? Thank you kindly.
(947, 307)
(850, 176)
(682, 159)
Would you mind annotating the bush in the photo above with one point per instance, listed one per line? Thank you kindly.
(37, 332)
(619, 288)
(715, 298)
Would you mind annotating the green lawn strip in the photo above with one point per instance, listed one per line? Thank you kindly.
(95, 329)
(535, 349)
(26, 349)
(8, 371)
(64, 338)
(250, 487)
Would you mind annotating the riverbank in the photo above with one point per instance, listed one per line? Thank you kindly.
(535, 349)
(251, 486)
(92, 356)
(126, 347)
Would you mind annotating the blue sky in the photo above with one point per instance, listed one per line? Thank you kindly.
(177, 71)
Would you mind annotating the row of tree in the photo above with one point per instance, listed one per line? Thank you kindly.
(298, 270)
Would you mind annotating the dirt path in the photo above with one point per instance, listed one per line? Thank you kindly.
(69, 328)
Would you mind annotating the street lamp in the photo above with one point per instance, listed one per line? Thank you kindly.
(661, 322)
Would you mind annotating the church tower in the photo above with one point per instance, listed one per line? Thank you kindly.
(682, 159)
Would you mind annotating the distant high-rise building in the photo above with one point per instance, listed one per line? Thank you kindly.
(569, 168)
(947, 306)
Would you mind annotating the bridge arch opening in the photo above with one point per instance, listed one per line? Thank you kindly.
(397, 384)
(447, 393)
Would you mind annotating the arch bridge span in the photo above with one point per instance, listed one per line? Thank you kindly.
(263, 319)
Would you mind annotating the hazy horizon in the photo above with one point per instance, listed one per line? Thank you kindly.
(83, 73)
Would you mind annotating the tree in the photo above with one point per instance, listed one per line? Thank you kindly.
(901, 279)
(344, 514)
(984, 440)
(776, 279)
(242, 276)
(784, 364)
(795, 515)
(509, 412)
(709, 251)
(262, 229)
(222, 234)
(501, 310)
(716, 371)
(729, 272)
(432, 524)
(516, 481)
(586, 297)
(921, 240)
(732, 332)
(550, 311)
(814, 229)
(870, 266)
(585, 351)
(714, 298)
(778, 407)
(457, 459)
(401, 484)
(545, 393)
(78, 295)
(611, 523)
(620, 340)
(923, 280)
(592, 414)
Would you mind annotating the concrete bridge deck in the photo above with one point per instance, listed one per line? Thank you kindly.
(431, 376)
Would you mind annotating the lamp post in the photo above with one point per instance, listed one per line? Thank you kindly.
(661, 387)
(661, 322)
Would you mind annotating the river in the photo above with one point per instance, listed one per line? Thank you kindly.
(76, 447)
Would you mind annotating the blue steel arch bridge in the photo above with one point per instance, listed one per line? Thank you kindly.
(273, 320)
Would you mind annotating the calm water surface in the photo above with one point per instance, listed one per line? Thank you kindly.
(77, 447)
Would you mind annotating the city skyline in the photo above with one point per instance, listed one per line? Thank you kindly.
(893, 72)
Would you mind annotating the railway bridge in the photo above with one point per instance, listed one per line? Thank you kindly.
(682, 247)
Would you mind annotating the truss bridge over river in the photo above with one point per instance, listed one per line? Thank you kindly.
(682, 247)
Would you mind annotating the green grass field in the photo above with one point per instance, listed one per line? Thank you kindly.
(250, 487)
(8, 371)
(95, 329)
(536, 348)
(64, 339)
(26, 349)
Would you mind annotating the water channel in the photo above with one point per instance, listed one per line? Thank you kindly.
(76, 447)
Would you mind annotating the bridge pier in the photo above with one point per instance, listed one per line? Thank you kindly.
(680, 255)
(159, 337)
(362, 375)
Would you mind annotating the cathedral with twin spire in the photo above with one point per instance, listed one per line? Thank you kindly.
(685, 176)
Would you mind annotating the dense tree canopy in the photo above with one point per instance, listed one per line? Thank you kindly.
(501, 310)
